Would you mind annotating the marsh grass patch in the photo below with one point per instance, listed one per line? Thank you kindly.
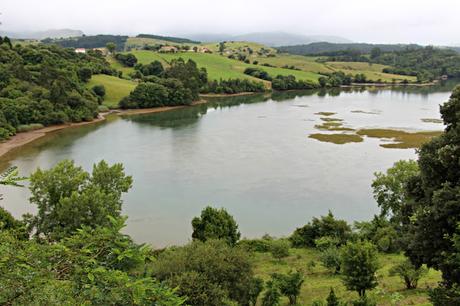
(432, 120)
(401, 139)
(325, 114)
(328, 119)
(366, 112)
(337, 138)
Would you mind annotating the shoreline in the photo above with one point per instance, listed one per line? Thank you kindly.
(245, 93)
(23, 138)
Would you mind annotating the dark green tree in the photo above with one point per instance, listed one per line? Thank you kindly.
(409, 273)
(67, 197)
(99, 90)
(111, 46)
(255, 288)
(289, 285)
(433, 210)
(360, 254)
(332, 299)
(207, 273)
(215, 224)
(389, 188)
(272, 295)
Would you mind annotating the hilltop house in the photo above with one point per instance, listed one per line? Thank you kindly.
(80, 50)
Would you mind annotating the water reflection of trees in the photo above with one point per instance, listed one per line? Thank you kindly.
(187, 116)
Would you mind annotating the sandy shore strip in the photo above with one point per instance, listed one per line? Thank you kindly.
(24, 138)
(246, 93)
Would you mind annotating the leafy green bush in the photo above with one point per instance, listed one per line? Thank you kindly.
(29, 127)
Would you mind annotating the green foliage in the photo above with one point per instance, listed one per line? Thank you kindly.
(215, 224)
(325, 226)
(154, 68)
(409, 273)
(279, 248)
(336, 79)
(178, 85)
(111, 46)
(256, 245)
(332, 299)
(207, 273)
(68, 198)
(10, 177)
(258, 73)
(445, 295)
(381, 232)
(255, 288)
(289, 285)
(433, 211)
(289, 82)
(147, 95)
(127, 60)
(389, 188)
(359, 264)
(89, 41)
(272, 295)
(99, 90)
(363, 301)
(232, 86)
(42, 84)
(96, 266)
(189, 74)
(330, 258)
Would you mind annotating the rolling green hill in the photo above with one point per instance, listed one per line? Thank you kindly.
(116, 88)
(219, 67)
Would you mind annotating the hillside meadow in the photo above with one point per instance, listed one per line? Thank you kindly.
(318, 280)
(217, 66)
(115, 88)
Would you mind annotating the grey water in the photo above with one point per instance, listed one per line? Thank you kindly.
(249, 154)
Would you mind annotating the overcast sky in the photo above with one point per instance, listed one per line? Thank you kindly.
(388, 21)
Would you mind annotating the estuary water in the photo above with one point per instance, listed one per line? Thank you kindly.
(249, 154)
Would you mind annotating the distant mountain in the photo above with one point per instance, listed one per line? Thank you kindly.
(39, 35)
(273, 39)
(169, 38)
(325, 47)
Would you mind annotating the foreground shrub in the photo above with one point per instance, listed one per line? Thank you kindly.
(359, 265)
(215, 224)
(409, 273)
(289, 285)
(207, 273)
(325, 226)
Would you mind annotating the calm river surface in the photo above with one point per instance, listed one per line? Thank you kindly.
(251, 155)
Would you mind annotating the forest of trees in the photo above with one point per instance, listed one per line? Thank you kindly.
(72, 251)
(89, 42)
(178, 84)
(43, 85)
(169, 38)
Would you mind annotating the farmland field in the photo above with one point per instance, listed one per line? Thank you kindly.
(220, 67)
(116, 88)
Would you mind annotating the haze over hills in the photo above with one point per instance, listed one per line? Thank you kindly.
(52, 33)
(273, 39)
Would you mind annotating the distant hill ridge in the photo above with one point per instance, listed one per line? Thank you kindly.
(54, 33)
(272, 39)
(325, 47)
(169, 38)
